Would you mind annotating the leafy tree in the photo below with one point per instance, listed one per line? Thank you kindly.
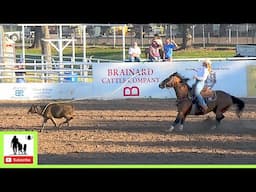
(186, 35)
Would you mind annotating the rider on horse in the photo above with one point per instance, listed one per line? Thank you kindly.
(200, 77)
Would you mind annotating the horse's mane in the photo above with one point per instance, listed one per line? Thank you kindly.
(183, 79)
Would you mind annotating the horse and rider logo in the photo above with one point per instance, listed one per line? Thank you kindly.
(18, 148)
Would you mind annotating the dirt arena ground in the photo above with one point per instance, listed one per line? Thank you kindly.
(134, 132)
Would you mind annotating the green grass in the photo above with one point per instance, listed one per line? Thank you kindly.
(117, 53)
(203, 53)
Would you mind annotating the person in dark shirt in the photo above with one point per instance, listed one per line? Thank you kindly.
(15, 144)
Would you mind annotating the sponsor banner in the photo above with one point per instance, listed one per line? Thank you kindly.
(37, 91)
(131, 80)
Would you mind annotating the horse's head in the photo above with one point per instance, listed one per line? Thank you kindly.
(172, 81)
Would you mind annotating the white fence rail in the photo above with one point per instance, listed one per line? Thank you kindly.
(45, 72)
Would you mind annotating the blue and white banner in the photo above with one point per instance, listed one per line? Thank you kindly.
(137, 80)
(130, 80)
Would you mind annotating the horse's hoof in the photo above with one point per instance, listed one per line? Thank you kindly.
(239, 115)
(170, 129)
(214, 127)
(181, 128)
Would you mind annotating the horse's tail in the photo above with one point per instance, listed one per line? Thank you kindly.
(240, 105)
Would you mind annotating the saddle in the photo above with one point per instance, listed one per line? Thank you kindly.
(207, 93)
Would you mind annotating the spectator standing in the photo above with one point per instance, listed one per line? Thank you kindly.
(169, 46)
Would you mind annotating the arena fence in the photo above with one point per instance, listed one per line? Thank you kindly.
(45, 73)
(123, 80)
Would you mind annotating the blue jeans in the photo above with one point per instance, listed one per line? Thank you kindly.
(198, 89)
(134, 59)
(155, 59)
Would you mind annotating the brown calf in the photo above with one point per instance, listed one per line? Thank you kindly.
(52, 111)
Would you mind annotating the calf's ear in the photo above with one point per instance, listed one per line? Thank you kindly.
(31, 108)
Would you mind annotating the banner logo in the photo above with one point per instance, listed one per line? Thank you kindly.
(131, 91)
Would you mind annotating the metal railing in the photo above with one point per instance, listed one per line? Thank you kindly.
(45, 72)
(35, 58)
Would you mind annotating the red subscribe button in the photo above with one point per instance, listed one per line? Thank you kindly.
(18, 159)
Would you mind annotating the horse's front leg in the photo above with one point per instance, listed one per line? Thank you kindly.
(183, 116)
(179, 120)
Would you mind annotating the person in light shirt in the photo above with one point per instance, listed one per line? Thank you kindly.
(134, 53)
(200, 78)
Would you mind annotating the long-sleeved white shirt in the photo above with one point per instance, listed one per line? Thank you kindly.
(202, 74)
(134, 50)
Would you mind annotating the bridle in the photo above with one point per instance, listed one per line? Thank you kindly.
(176, 85)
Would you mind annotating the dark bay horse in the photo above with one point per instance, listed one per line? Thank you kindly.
(218, 101)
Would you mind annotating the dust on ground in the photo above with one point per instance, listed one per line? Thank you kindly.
(133, 131)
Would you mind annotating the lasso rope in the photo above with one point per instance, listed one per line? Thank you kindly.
(112, 93)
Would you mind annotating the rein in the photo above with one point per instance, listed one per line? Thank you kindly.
(179, 100)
